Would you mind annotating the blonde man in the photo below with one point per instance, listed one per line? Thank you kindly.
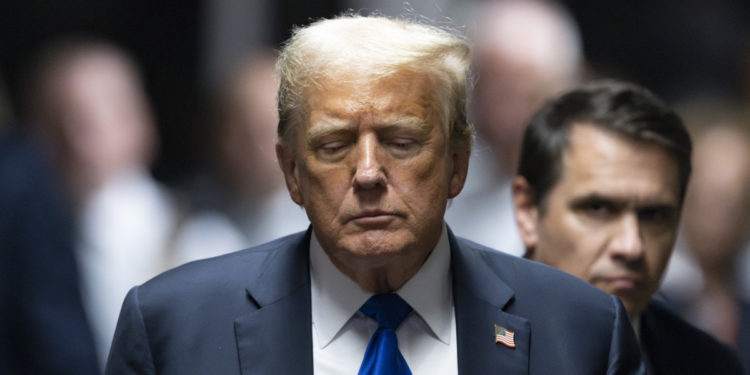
(373, 142)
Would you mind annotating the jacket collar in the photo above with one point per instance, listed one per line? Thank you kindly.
(276, 337)
(278, 328)
(480, 297)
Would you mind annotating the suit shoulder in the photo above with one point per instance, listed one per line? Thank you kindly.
(524, 275)
(535, 285)
(221, 272)
(559, 309)
(667, 338)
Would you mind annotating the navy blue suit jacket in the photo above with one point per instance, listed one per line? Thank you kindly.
(674, 346)
(249, 313)
(43, 328)
(744, 344)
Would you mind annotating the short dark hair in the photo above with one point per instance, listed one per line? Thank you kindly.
(623, 108)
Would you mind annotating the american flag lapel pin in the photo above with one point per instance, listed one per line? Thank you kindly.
(504, 336)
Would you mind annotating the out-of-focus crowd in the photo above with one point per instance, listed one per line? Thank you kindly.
(82, 220)
(90, 120)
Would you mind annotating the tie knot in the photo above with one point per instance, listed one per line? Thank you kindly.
(388, 309)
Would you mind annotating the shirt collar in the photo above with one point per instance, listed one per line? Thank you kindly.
(336, 298)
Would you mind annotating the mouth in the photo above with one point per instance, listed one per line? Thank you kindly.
(622, 282)
(373, 217)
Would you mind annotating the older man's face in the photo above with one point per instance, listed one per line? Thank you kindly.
(374, 170)
(612, 217)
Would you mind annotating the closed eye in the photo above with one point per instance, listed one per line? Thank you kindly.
(402, 146)
(333, 150)
(402, 143)
(333, 147)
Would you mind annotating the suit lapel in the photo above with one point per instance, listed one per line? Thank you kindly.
(479, 299)
(277, 336)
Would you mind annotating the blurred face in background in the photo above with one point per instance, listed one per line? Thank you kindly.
(245, 146)
(611, 218)
(717, 219)
(97, 117)
(506, 95)
(525, 51)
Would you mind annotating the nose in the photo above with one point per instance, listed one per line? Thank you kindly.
(369, 172)
(627, 243)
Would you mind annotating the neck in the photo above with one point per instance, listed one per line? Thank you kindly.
(378, 267)
(386, 277)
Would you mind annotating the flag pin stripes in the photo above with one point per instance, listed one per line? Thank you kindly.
(504, 336)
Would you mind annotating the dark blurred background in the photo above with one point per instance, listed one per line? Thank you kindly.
(174, 44)
(213, 186)
(674, 47)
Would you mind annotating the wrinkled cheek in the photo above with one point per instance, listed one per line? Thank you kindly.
(425, 195)
(323, 195)
(430, 179)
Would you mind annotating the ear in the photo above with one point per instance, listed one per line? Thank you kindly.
(288, 163)
(527, 214)
(460, 155)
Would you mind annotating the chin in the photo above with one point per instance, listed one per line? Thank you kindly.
(378, 245)
(370, 251)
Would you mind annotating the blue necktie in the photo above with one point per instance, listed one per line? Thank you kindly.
(382, 355)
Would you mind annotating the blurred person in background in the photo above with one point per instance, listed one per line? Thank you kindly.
(87, 105)
(5, 116)
(524, 52)
(600, 187)
(716, 230)
(240, 199)
(43, 327)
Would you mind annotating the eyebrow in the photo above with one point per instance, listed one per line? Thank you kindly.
(596, 197)
(617, 201)
(329, 126)
(405, 122)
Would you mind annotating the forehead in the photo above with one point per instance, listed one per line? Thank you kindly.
(599, 161)
(359, 98)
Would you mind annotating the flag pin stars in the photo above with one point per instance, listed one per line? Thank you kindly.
(504, 336)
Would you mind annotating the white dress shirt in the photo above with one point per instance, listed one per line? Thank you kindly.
(125, 227)
(426, 338)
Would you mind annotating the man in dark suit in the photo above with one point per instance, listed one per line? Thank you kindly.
(373, 142)
(43, 328)
(600, 186)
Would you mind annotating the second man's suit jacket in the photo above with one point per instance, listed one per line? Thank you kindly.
(675, 347)
(249, 312)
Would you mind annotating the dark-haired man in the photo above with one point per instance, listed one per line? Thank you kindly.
(599, 191)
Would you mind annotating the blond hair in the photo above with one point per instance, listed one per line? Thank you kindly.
(368, 49)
